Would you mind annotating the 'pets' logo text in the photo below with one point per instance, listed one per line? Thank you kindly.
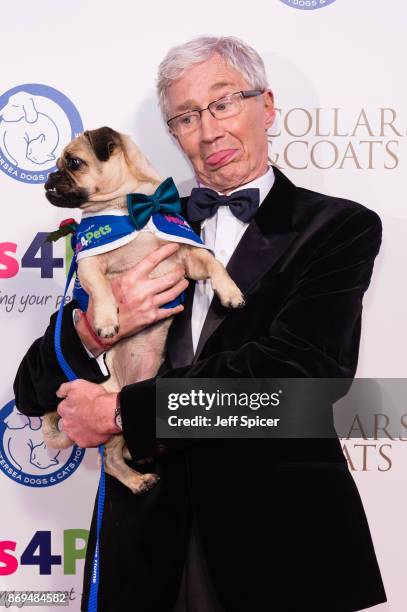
(88, 237)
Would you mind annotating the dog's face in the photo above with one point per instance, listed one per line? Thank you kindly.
(90, 165)
(97, 166)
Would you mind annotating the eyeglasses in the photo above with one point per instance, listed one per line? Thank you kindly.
(225, 107)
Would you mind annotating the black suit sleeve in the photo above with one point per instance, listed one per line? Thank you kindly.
(39, 374)
(316, 333)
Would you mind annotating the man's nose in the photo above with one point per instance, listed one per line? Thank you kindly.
(211, 128)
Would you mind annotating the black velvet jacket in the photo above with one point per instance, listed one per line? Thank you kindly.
(281, 521)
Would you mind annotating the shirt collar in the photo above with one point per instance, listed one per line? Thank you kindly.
(263, 183)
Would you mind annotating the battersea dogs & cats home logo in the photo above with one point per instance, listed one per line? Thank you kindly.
(307, 5)
(25, 458)
(36, 121)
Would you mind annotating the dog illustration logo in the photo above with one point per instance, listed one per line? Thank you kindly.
(35, 122)
(308, 5)
(25, 458)
(27, 134)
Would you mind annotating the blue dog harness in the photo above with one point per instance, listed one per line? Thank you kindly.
(100, 232)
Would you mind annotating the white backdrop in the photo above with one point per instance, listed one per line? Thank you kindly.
(337, 73)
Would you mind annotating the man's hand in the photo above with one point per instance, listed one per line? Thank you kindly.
(140, 298)
(87, 412)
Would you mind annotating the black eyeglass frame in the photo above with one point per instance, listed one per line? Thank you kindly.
(250, 93)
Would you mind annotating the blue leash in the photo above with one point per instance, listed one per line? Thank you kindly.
(70, 374)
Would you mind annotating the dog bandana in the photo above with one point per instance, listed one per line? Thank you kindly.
(102, 232)
(156, 213)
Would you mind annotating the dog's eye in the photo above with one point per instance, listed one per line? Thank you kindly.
(74, 163)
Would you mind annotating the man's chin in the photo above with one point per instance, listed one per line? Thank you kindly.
(225, 177)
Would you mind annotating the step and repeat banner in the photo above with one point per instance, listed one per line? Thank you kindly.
(336, 68)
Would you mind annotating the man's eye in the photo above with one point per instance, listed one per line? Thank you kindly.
(187, 119)
(74, 163)
(223, 105)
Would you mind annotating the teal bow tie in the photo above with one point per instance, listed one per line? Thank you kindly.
(165, 200)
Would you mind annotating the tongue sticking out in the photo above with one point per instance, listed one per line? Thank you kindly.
(220, 157)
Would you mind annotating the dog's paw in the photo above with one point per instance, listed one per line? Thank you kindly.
(141, 483)
(107, 331)
(106, 324)
(232, 298)
(228, 292)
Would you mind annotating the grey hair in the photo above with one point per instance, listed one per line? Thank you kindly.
(235, 52)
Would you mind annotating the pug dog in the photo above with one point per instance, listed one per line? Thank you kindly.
(95, 172)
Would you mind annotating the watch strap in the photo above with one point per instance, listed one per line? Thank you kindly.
(118, 414)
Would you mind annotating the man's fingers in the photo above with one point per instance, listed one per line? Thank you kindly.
(167, 281)
(61, 408)
(63, 390)
(67, 387)
(170, 294)
(166, 313)
(151, 261)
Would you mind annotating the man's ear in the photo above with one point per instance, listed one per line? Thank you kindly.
(270, 111)
(103, 141)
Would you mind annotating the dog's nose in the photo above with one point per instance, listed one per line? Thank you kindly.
(51, 180)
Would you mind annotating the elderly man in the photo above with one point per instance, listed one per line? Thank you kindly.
(233, 525)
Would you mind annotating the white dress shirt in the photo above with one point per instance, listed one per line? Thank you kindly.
(222, 233)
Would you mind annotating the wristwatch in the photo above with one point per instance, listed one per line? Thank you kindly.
(118, 414)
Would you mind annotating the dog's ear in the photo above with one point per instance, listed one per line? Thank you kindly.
(140, 165)
(103, 141)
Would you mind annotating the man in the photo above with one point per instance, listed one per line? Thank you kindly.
(233, 525)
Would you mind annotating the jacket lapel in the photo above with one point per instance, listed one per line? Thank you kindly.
(179, 344)
(265, 240)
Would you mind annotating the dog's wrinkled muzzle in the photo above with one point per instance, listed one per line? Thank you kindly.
(60, 190)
